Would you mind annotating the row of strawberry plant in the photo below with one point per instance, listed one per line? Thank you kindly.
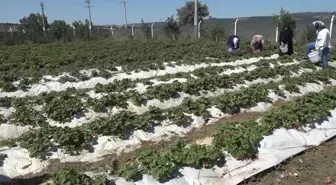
(98, 54)
(122, 124)
(207, 79)
(73, 177)
(213, 82)
(122, 85)
(62, 106)
(205, 82)
(302, 112)
(59, 106)
(238, 139)
(32, 70)
(157, 65)
(6, 80)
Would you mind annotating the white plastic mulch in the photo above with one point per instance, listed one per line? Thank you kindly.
(274, 149)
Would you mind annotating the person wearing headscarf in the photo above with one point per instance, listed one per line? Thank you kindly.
(286, 38)
(233, 43)
(322, 43)
(257, 43)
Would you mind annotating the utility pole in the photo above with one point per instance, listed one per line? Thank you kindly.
(125, 13)
(42, 9)
(196, 17)
(88, 5)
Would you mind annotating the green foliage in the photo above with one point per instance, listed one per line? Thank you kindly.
(26, 115)
(165, 165)
(80, 24)
(214, 31)
(42, 142)
(72, 177)
(146, 29)
(309, 35)
(172, 27)
(34, 23)
(187, 12)
(62, 107)
(81, 29)
(125, 122)
(239, 139)
(58, 28)
(34, 60)
(285, 19)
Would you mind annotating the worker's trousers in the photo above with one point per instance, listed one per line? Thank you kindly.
(310, 46)
(324, 53)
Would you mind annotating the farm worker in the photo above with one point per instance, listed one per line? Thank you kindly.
(322, 43)
(233, 43)
(286, 38)
(257, 43)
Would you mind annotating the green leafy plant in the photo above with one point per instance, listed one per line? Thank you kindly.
(72, 177)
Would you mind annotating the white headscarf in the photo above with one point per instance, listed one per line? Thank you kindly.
(318, 24)
(235, 42)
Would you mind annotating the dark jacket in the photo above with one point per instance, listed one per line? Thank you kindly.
(230, 43)
(257, 46)
(286, 37)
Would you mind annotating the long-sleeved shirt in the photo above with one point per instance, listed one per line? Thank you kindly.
(257, 43)
(286, 36)
(233, 42)
(323, 39)
(257, 38)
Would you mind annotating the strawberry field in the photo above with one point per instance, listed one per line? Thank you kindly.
(154, 112)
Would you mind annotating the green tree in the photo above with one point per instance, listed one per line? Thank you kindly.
(309, 34)
(58, 28)
(81, 29)
(186, 13)
(33, 23)
(146, 29)
(172, 27)
(285, 19)
(216, 31)
(80, 24)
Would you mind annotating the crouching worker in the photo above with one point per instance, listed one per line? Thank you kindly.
(322, 43)
(233, 43)
(257, 44)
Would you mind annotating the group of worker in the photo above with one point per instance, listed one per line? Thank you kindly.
(322, 43)
(257, 43)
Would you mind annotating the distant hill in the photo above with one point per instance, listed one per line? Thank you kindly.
(249, 26)
(6, 26)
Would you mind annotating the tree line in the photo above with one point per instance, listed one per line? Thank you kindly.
(37, 25)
